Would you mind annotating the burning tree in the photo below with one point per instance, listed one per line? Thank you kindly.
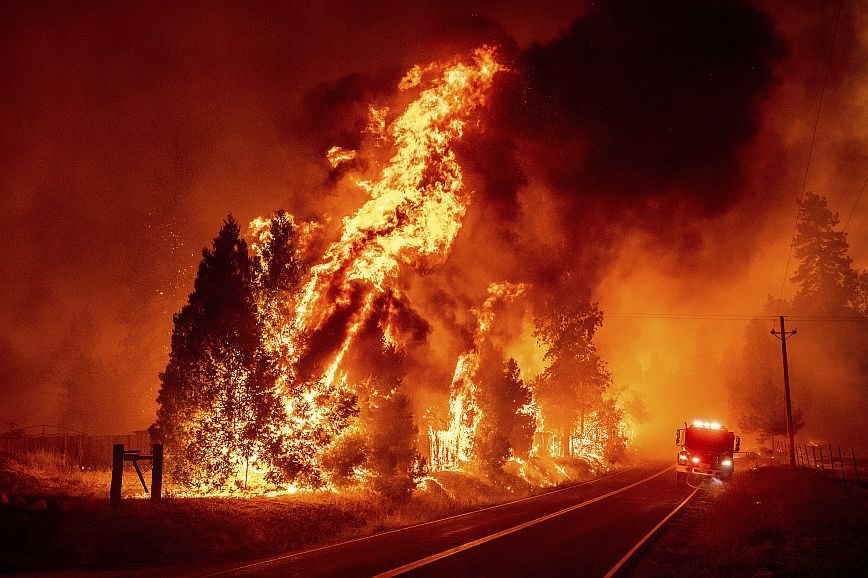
(603, 432)
(288, 362)
(575, 379)
(258, 369)
(507, 420)
(278, 270)
(314, 413)
(454, 445)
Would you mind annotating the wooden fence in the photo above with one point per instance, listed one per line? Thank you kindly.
(827, 459)
(88, 451)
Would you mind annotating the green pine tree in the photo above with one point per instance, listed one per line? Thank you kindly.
(217, 397)
(825, 277)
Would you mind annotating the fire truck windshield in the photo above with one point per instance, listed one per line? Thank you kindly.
(711, 440)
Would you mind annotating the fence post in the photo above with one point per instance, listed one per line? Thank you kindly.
(822, 462)
(856, 469)
(832, 460)
(157, 471)
(117, 475)
(841, 461)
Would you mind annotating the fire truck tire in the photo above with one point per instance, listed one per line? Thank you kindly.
(680, 479)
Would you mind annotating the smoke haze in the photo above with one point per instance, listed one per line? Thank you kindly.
(649, 158)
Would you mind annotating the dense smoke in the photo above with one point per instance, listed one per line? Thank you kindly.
(648, 157)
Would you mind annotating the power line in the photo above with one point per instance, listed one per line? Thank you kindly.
(688, 316)
(728, 317)
(862, 190)
(811, 149)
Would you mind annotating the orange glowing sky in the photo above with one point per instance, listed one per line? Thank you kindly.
(650, 158)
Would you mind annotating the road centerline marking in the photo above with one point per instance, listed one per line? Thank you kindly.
(479, 541)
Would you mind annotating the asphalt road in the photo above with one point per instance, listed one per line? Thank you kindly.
(583, 530)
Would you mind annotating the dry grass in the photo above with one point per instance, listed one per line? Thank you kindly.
(48, 474)
(57, 475)
(767, 522)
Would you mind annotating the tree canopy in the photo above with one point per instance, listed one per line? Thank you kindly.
(217, 395)
(827, 282)
(507, 423)
(573, 382)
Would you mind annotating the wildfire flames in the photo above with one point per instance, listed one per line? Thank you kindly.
(410, 222)
(413, 215)
(414, 212)
(452, 446)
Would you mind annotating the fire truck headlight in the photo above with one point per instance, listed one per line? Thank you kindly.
(682, 457)
(695, 459)
(727, 463)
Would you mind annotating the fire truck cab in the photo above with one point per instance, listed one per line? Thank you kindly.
(706, 450)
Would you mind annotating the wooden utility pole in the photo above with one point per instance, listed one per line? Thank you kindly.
(783, 335)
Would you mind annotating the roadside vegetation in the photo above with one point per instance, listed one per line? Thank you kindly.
(766, 522)
(242, 405)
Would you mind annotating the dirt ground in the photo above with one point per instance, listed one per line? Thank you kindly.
(769, 521)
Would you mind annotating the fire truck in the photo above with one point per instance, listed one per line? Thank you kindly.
(706, 450)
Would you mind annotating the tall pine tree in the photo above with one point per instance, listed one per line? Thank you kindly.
(506, 425)
(572, 385)
(826, 279)
(277, 271)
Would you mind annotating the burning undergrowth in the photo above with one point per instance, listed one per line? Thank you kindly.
(303, 363)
